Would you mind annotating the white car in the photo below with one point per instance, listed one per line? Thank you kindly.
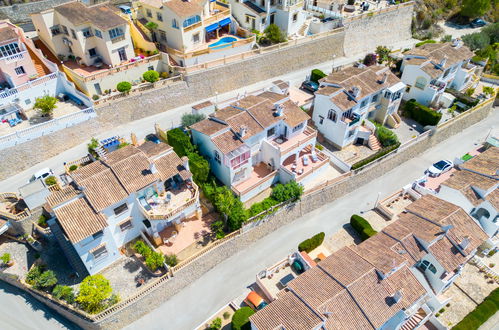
(440, 168)
(41, 174)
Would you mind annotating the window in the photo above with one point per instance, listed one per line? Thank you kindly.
(159, 17)
(120, 209)
(195, 38)
(321, 120)
(115, 33)
(98, 234)
(425, 264)
(86, 33)
(73, 34)
(148, 13)
(55, 30)
(191, 20)
(217, 157)
(9, 49)
(247, 19)
(98, 33)
(446, 73)
(162, 35)
(271, 132)
(295, 17)
(421, 83)
(174, 24)
(65, 30)
(297, 127)
(375, 98)
(331, 115)
(20, 70)
(92, 52)
(99, 252)
(408, 88)
(363, 103)
(240, 160)
(125, 225)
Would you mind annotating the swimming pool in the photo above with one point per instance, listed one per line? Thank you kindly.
(222, 43)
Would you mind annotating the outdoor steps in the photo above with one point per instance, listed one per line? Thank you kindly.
(41, 69)
(413, 322)
(303, 28)
(374, 143)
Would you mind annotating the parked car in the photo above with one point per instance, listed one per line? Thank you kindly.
(310, 86)
(153, 138)
(125, 9)
(440, 168)
(478, 22)
(254, 300)
(41, 174)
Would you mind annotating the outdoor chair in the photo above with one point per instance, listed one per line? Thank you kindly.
(305, 160)
(314, 158)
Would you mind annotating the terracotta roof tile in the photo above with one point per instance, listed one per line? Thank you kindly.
(342, 313)
(493, 198)
(487, 163)
(78, 220)
(185, 9)
(447, 254)
(432, 208)
(227, 142)
(208, 126)
(345, 265)
(202, 105)
(152, 149)
(169, 165)
(100, 15)
(103, 189)
(462, 179)
(293, 114)
(244, 119)
(7, 34)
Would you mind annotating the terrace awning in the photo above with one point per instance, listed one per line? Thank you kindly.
(212, 27)
(224, 22)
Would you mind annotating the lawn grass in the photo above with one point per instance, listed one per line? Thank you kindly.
(481, 313)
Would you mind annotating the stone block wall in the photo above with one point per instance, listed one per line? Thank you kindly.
(25, 226)
(19, 13)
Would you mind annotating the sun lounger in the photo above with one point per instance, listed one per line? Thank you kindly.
(144, 204)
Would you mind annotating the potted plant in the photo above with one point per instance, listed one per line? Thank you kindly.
(7, 260)
(34, 243)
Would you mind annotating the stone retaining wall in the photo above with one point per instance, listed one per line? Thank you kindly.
(25, 226)
(205, 83)
(19, 13)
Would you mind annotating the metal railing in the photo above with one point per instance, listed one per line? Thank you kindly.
(28, 85)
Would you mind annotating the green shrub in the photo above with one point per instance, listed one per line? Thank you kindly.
(51, 180)
(285, 192)
(5, 258)
(199, 166)
(180, 142)
(274, 34)
(64, 292)
(216, 324)
(142, 248)
(94, 144)
(46, 280)
(422, 114)
(481, 313)
(95, 97)
(151, 76)
(45, 105)
(311, 243)
(94, 293)
(362, 227)
(491, 253)
(171, 260)
(42, 221)
(155, 260)
(226, 315)
(124, 87)
(385, 136)
(33, 274)
(429, 41)
(375, 156)
(316, 75)
(259, 207)
(189, 119)
(151, 25)
(240, 319)
(72, 168)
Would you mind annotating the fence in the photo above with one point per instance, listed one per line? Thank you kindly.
(48, 127)
(28, 85)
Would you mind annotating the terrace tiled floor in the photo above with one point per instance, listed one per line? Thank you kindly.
(299, 97)
(161, 205)
(408, 129)
(352, 153)
(302, 168)
(260, 171)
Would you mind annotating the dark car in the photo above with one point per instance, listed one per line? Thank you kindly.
(478, 22)
(153, 138)
(310, 86)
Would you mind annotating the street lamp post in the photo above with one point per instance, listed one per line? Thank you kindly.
(332, 69)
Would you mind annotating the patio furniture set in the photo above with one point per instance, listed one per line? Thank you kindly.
(305, 160)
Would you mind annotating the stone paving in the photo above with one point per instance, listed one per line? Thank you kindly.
(408, 129)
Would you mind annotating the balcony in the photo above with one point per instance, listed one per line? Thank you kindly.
(309, 161)
(437, 86)
(261, 176)
(169, 204)
(218, 13)
(286, 145)
(351, 120)
(118, 39)
(14, 57)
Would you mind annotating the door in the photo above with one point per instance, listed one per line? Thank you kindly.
(98, 90)
(272, 18)
(122, 54)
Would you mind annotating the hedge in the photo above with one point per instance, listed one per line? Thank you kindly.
(316, 75)
(429, 41)
(311, 243)
(481, 313)
(179, 141)
(240, 319)
(375, 156)
(362, 227)
(422, 114)
(199, 167)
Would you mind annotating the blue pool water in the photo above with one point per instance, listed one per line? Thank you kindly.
(224, 42)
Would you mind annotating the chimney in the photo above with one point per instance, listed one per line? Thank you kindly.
(384, 78)
(185, 162)
(242, 130)
(456, 43)
(397, 296)
(355, 91)
(152, 168)
(445, 229)
(464, 243)
(278, 110)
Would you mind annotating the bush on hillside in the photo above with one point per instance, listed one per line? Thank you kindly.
(240, 319)
(155, 260)
(375, 156)
(422, 114)
(311, 243)
(63, 292)
(429, 41)
(362, 227)
(285, 192)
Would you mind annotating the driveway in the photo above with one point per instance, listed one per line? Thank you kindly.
(457, 30)
(214, 289)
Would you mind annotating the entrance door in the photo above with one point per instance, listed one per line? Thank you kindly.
(272, 18)
(122, 54)
(98, 90)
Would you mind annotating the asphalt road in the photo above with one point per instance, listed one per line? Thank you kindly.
(18, 310)
(228, 280)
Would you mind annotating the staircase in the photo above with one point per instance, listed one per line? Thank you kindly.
(41, 69)
(373, 143)
(414, 321)
(304, 27)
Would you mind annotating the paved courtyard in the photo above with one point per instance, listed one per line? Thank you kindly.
(408, 129)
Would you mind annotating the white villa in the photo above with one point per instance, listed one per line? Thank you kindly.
(431, 68)
(288, 15)
(257, 141)
(348, 98)
(130, 192)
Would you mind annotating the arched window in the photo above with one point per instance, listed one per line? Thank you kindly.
(191, 20)
(421, 82)
(425, 264)
(332, 115)
(481, 212)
